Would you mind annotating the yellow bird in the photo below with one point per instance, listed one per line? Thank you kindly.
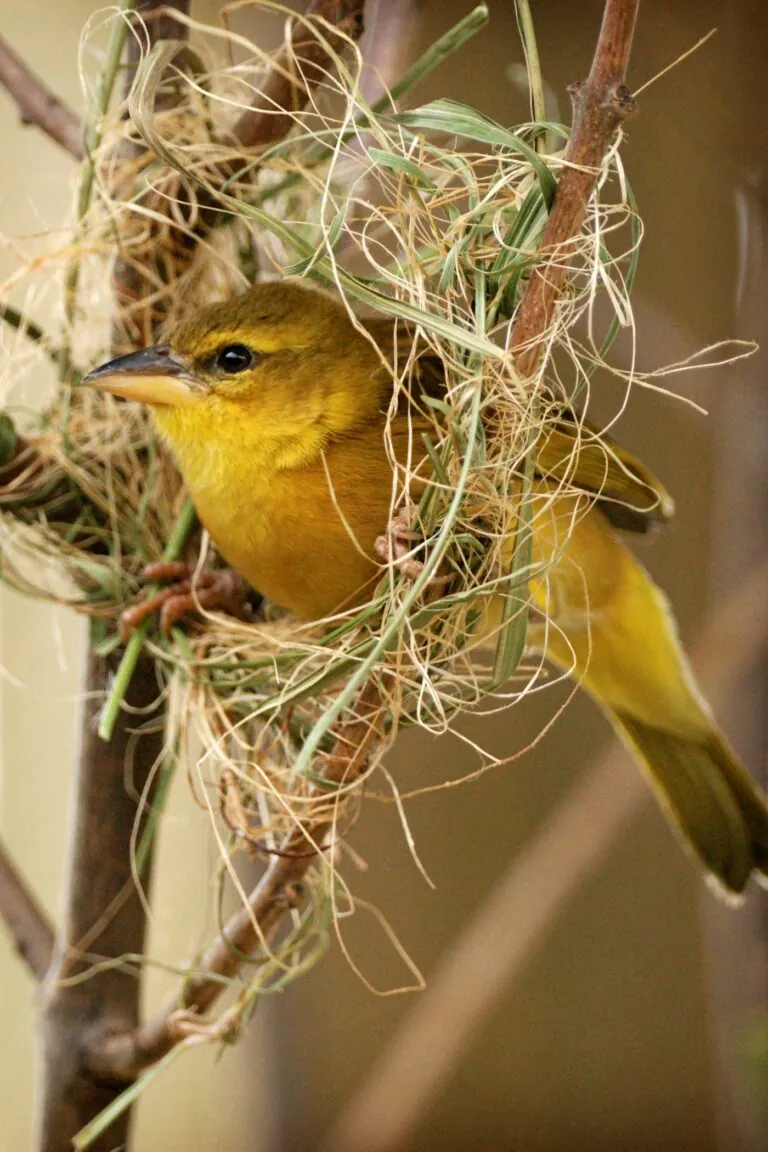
(274, 405)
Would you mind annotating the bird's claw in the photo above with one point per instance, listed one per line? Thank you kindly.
(189, 592)
(396, 547)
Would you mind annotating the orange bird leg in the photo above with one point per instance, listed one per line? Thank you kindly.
(211, 590)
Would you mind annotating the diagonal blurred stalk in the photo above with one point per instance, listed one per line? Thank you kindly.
(735, 948)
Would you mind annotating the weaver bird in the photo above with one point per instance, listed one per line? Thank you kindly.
(274, 404)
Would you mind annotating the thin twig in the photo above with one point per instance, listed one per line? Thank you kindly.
(27, 923)
(38, 105)
(525, 903)
(600, 105)
(15, 319)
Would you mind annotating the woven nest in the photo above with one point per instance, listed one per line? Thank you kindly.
(432, 216)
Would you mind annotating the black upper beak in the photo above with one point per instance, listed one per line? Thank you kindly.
(151, 376)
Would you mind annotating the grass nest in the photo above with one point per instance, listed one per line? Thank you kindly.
(432, 216)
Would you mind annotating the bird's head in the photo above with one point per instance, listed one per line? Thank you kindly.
(281, 368)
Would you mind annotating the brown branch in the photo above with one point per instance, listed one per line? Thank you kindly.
(103, 914)
(600, 105)
(525, 903)
(38, 105)
(27, 923)
(124, 1057)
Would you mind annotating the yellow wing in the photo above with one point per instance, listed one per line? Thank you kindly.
(573, 452)
(580, 456)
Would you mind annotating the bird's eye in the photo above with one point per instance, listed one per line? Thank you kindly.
(234, 358)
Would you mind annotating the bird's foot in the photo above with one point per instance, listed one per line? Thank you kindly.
(397, 548)
(190, 591)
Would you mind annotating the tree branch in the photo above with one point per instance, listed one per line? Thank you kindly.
(103, 914)
(27, 923)
(525, 903)
(600, 105)
(38, 105)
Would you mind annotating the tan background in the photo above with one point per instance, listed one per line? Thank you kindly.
(613, 1037)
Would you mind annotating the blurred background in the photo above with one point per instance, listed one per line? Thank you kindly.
(639, 1019)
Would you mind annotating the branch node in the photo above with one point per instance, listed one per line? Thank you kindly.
(613, 105)
(620, 100)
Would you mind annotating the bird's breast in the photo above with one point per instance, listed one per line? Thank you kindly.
(302, 537)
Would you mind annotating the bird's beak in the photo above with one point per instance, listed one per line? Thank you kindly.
(152, 376)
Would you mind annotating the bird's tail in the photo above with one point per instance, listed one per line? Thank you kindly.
(707, 795)
(613, 629)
